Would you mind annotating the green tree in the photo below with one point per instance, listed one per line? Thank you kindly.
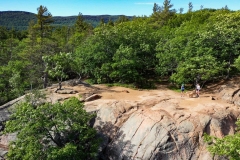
(29, 52)
(52, 131)
(197, 68)
(156, 8)
(237, 63)
(190, 7)
(169, 49)
(44, 19)
(181, 10)
(57, 65)
(121, 19)
(134, 59)
(18, 80)
(114, 49)
(80, 25)
(101, 23)
(81, 31)
(227, 146)
(222, 35)
(95, 51)
(110, 22)
(5, 88)
(162, 14)
(62, 36)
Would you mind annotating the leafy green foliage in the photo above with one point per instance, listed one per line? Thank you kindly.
(237, 63)
(133, 50)
(227, 146)
(193, 47)
(196, 68)
(121, 53)
(162, 14)
(52, 131)
(57, 65)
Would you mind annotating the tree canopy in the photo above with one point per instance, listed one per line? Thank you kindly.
(52, 131)
(192, 47)
(227, 146)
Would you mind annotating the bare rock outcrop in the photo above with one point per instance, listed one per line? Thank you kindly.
(160, 128)
(155, 125)
(92, 97)
(4, 116)
(231, 94)
(66, 91)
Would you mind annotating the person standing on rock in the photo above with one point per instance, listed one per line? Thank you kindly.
(197, 89)
(182, 89)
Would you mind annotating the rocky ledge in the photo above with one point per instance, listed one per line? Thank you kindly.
(161, 127)
(157, 124)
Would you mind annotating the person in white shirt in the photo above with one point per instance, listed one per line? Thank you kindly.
(198, 89)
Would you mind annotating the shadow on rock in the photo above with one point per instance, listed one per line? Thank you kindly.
(113, 145)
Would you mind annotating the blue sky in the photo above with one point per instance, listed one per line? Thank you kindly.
(111, 7)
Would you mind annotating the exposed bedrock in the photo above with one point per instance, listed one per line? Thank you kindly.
(159, 128)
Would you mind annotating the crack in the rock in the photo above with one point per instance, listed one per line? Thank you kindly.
(137, 129)
(235, 92)
(168, 131)
(148, 133)
(121, 114)
(122, 149)
(157, 144)
(191, 149)
(185, 119)
(207, 125)
(174, 141)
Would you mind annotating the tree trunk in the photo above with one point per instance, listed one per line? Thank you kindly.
(59, 85)
(45, 79)
(228, 70)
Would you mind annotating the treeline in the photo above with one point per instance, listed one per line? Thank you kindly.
(16, 19)
(194, 47)
(19, 20)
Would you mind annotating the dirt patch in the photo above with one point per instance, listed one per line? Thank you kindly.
(207, 95)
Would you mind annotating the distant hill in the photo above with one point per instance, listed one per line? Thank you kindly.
(19, 19)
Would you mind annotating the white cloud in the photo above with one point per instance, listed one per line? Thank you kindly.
(150, 3)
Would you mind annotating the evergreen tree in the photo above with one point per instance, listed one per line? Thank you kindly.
(44, 19)
(163, 14)
(110, 22)
(121, 19)
(80, 25)
(47, 47)
(156, 8)
(181, 10)
(190, 7)
(101, 22)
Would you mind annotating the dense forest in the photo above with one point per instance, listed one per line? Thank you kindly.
(19, 19)
(193, 47)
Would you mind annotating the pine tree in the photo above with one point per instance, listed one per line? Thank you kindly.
(44, 19)
(190, 7)
(161, 14)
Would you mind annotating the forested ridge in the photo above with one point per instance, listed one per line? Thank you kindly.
(19, 19)
(193, 47)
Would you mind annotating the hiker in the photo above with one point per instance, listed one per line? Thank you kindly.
(182, 90)
(197, 89)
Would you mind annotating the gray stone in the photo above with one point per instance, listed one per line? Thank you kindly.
(67, 91)
(92, 97)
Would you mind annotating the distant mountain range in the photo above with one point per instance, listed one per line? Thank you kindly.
(19, 20)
